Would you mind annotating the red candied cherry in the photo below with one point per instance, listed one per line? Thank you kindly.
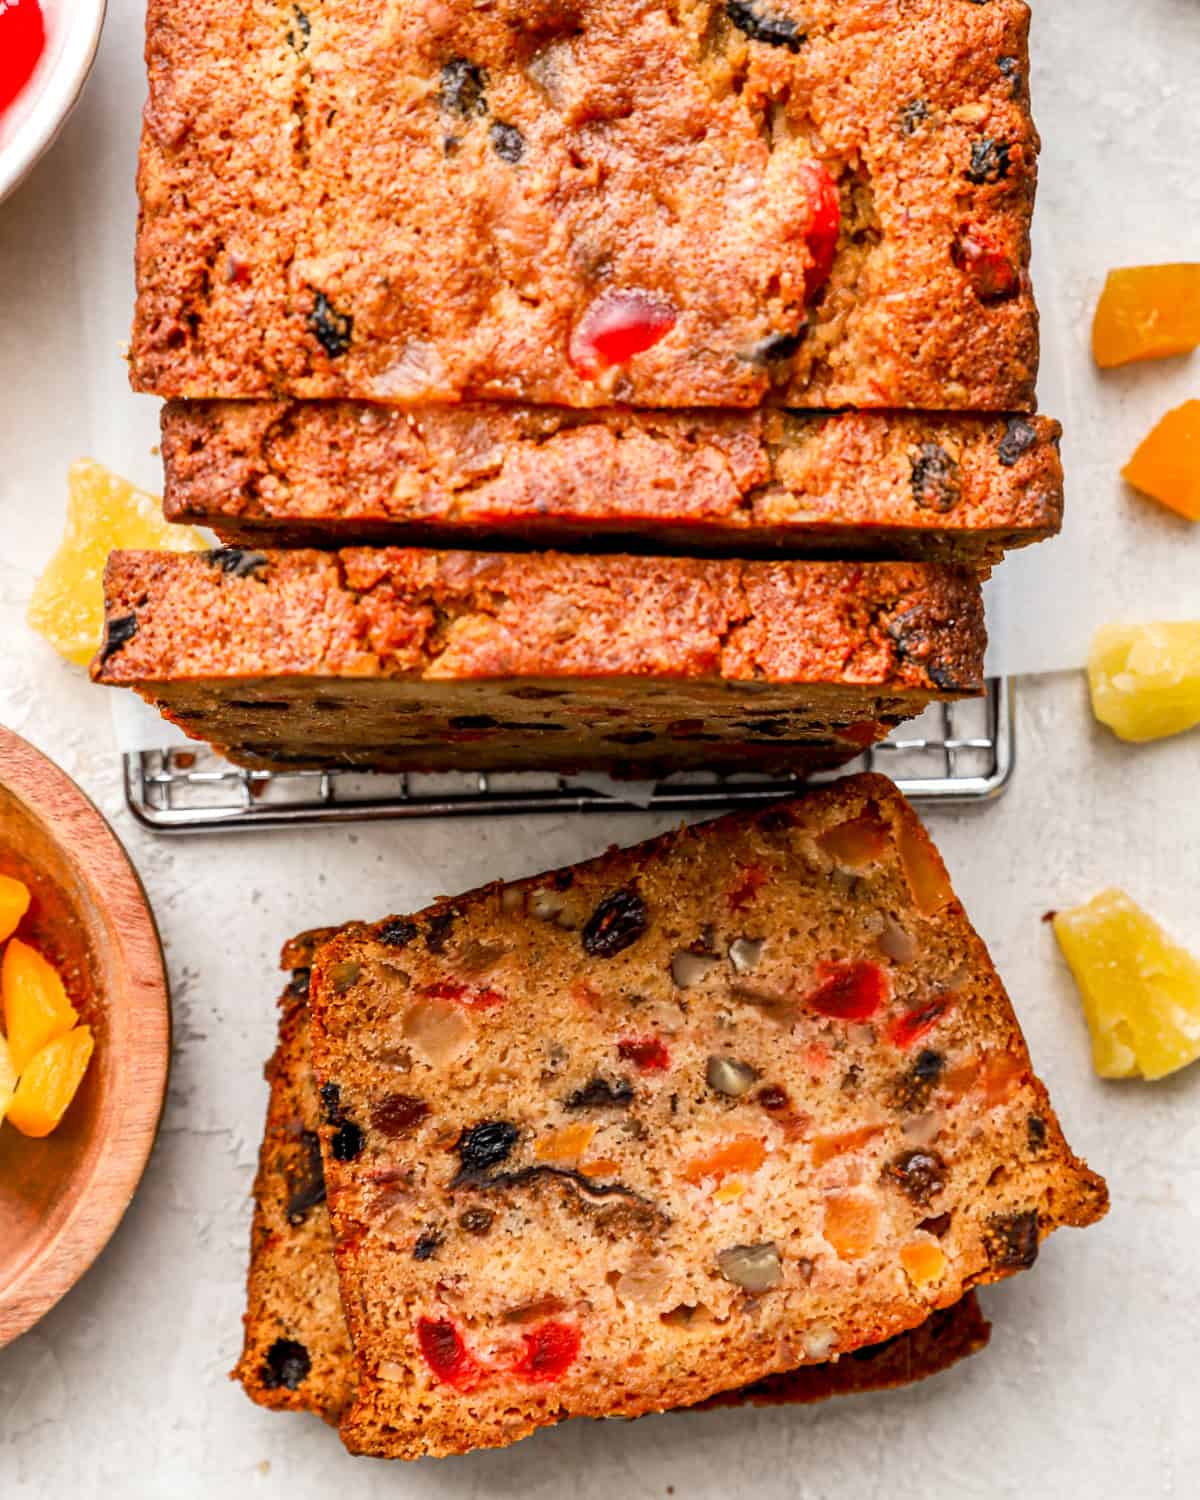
(647, 1053)
(907, 1030)
(751, 879)
(446, 1355)
(22, 42)
(848, 992)
(473, 996)
(550, 1351)
(992, 275)
(618, 325)
(825, 208)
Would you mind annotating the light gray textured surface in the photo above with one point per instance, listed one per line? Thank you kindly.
(1091, 1384)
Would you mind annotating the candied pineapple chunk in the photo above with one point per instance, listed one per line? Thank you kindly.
(14, 903)
(1147, 312)
(1141, 991)
(36, 1008)
(8, 1078)
(1167, 465)
(1145, 679)
(50, 1081)
(103, 513)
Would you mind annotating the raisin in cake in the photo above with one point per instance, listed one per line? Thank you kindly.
(296, 1353)
(398, 659)
(823, 203)
(292, 473)
(615, 1139)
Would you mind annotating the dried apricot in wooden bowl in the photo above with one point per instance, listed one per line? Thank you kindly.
(1147, 312)
(62, 1195)
(1167, 464)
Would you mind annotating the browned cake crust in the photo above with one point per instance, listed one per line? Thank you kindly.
(589, 202)
(615, 1139)
(400, 659)
(296, 1354)
(334, 472)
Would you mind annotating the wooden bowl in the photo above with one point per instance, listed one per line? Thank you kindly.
(62, 1197)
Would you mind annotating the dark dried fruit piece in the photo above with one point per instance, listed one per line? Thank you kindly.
(298, 984)
(1011, 1240)
(1010, 68)
(236, 561)
(438, 931)
(938, 1225)
(476, 1220)
(297, 40)
(913, 116)
(1019, 437)
(331, 1104)
(117, 633)
(775, 347)
(463, 91)
(305, 1192)
(287, 1363)
(397, 933)
(427, 1246)
(330, 328)
(397, 1114)
(598, 1093)
(750, 17)
(1035, 1133)
(935, 478)
(913, 1088)
(773, 1098)
(485, 1145)
(989, 161)
(920, 1175)
(348, 1141)
(507, 142)
(615, 925)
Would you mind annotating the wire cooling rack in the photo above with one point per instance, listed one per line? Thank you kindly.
(957, 753)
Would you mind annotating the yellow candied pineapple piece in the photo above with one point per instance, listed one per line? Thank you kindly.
(1166, 465)
(1147, 312)
(36, 1008)
(1145, 679)
(1141, 991)
(8, 1078)
(104, 513)
(50, 1081)
(14, 903)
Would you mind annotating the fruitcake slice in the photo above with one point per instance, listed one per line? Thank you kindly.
(589, 203)
(296, 1354)
(397, 659)
(618, 1138)
(311, 473)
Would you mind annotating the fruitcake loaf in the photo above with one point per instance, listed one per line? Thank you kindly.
(822, 203)
(399, 659)
(317, 473)
(617, 1138)
(296, 1354)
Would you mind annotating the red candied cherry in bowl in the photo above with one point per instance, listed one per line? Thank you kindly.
(46, 52)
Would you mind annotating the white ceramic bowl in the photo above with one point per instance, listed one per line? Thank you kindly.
(29, 126)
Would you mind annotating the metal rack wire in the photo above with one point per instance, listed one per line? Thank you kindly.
(955, 754)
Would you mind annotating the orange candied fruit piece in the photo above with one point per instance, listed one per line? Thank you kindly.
(1147, 312)
(859, 842)
(851, 1224)
(565, 1145)
(14, 903)
(36, 1008)
(923, 1261)
(826, 1147)
(1167, 464)
(1003, 1075)
(49, 1082)
(925, 872)
(745, 1153)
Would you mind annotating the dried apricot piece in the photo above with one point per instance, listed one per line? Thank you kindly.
(851, 1224)
(745, 1153)
(856, 843)
(14, 903)
(1166, 465)
(36, 1008)
(103, 513)
(924, 871)
(8, 1078)
(1141, 991)
(565, 1145)
(923, 1261)
(1145, 679)
(826, 1147)
(1147, 312)
(49, 1082)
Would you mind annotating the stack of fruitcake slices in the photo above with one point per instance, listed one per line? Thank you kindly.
(723, 302)
(742, 1113)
